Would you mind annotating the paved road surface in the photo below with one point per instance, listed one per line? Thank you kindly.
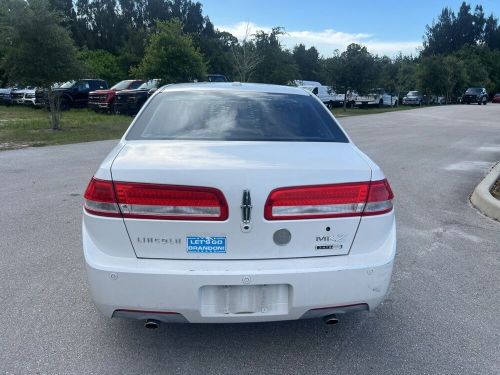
(440, 317)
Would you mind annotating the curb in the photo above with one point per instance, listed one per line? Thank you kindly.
(482, 199)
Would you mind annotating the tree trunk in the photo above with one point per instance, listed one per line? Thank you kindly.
(55, 110)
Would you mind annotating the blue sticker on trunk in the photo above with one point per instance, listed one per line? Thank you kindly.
(206, 244)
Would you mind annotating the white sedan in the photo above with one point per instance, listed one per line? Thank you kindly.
(229, 202)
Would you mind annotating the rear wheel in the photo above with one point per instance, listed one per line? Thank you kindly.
(485, 101)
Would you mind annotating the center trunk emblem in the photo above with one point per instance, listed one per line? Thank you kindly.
(246, 211)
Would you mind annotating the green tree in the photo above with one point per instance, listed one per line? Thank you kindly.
(101, 64)
(453, 31)
(171, 56)
(276, 63)
(353, 69)
(217, 47)
(492, 33)
(386, 71)
(39, 51)
(308, 62)
(132, 52)
(405, 75)
(433, 75)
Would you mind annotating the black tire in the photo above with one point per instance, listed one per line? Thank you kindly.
(485, 101)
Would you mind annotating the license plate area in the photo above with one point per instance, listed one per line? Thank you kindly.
(224, 300)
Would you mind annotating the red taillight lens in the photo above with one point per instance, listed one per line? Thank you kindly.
(153, 201)
(326, 201)
(99, 198)
(379, 199)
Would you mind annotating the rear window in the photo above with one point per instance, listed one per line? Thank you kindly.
(235, 116)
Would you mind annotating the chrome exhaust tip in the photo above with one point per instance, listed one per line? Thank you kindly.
(152, 324)
(330, 319)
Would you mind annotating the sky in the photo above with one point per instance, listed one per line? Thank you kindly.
(384, 27)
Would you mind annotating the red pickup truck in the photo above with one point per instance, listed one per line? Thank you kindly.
(104, 100)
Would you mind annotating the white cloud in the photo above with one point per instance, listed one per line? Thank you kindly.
(327, 41)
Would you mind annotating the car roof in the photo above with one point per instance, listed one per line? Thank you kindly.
(236, 86)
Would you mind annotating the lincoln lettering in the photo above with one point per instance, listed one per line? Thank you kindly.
(159, 241)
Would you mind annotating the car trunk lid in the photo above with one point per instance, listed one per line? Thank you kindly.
(236, 169)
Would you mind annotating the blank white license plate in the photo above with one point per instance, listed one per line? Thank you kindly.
(223, 300)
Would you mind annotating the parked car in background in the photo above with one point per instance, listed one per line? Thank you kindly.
(129, 102)
(475, 95)
(6, 95)
(104, 100)
(378, 97)
(437, 100)
(217, 78)
(75, 94)
(18, 96)
(326, 94)
(30, 98)
(496, 98)
(413, 98)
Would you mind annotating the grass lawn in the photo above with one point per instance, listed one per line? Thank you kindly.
(23, 126)
(339, 112)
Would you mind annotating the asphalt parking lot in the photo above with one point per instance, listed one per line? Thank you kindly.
(441, 315)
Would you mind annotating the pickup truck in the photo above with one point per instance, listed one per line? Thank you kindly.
(104, 100)
(129, 102)
(75, 94)
(379, 97)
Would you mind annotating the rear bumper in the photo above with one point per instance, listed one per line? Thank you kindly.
(315, 287)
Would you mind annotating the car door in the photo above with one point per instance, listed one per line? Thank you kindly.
(81, 94)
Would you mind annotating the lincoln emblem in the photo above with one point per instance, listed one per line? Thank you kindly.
(246, 211)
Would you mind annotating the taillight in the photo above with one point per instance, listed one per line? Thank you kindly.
(327, 201)
(379, 198)
(99, 198)
(154, 201)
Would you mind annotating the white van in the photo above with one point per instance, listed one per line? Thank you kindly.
(326, 94)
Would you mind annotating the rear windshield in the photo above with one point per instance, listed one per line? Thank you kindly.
(235, 116)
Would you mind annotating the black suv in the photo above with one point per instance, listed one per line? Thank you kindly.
(475, 95)
(129, 102)
(75, 94)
